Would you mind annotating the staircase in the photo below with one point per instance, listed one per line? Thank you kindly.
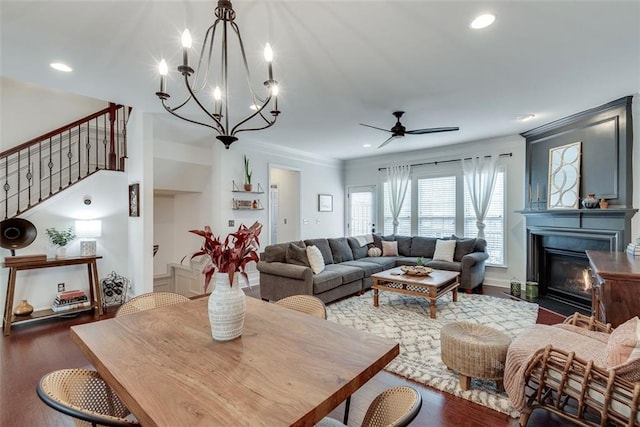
(32, 172)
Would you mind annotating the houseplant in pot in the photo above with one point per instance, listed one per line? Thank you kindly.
(247, 175)
(60, 239)
(226, 263)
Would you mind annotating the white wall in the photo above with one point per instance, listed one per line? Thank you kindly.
(365, 172)
(21, 102)
(109, 203)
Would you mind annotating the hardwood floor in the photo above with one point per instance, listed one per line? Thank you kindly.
(34, 349)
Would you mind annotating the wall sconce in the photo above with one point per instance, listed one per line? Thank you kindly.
(88, 229)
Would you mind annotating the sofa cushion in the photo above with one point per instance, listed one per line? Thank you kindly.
(624, 343)
(349, 273)
(404, 245)
(316, 261)
(463, 247)
(340, 250)
(325, 281)
(385, 262)
(357, 250)
(324, 247)
(389, 248)
(444, 250)
(423, 246)
(275, 253)
(444, 265)
(297, 255)
(368, 268)
(378, 238)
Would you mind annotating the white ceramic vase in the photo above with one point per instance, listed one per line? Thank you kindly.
(61, 252)
(227, 307)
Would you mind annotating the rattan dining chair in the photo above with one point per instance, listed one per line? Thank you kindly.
(306, 304)
(83, 395)
(148, 301)
(394, 407)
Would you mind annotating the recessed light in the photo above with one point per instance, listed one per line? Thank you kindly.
(61, 67)
(526, 117)
(482, 21)
(366, 145)
(253, 107)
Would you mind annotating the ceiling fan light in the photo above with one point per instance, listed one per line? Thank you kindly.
(482, 21)
(61, 67)
(526, 117)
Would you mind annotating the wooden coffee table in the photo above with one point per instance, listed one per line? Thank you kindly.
(432, 287)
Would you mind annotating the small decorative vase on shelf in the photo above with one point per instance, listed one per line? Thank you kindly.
(23, 309)
(604, 204)
(227, 307)
(590, 202)
(61, 252)
(248, 187)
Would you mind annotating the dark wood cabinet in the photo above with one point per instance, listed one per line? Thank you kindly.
(616, 286)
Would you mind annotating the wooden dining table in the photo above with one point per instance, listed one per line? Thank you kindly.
(287, 368)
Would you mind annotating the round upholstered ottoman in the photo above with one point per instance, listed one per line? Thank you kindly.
(474, 351)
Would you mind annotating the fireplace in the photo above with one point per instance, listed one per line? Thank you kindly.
(566, 277)
(557, 242)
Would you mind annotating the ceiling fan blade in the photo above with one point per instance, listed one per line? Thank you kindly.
(431, 130)
(374, 127)
(391, 138)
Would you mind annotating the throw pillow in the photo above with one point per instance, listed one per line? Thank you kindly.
(463, 247)
(624, 343)
(374, 251)
(297, 255)
(316, 261)
(389, 248)
(444, 250)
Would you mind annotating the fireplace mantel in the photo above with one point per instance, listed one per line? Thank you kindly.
(606, 221)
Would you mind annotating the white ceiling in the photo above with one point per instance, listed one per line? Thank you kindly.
(340, 63)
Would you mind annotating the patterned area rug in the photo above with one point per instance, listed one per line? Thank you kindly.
(406, 320)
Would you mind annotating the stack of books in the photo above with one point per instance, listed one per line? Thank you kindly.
(633, 249)
(70, 300)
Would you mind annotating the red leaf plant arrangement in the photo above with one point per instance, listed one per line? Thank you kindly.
(232, 256)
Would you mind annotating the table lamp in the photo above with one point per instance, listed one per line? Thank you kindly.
(89, 229)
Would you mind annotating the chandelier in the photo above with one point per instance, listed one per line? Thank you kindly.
(210, 92)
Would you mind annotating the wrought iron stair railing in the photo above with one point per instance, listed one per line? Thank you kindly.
(32, 172)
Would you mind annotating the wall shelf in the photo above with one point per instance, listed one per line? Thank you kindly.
(237, 189)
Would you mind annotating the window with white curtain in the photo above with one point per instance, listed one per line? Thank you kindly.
(442, 209)
(404, 226)
(494, 222)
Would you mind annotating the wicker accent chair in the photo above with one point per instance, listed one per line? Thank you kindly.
(83, 395)
(566, 382)
(394, 407)
(306, 304)
(148, 301)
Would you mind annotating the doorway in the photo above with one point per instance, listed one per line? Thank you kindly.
(362, 210)
(284, 204)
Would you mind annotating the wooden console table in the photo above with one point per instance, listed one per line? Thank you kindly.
(94, 291)
(616, 286)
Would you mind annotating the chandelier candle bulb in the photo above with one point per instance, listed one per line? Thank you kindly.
(186, 44)
(268, 56)
(164, 70)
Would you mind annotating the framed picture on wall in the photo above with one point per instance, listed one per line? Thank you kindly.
(134, 200)
(325, 203)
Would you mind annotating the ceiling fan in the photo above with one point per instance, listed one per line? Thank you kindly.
(398, 131)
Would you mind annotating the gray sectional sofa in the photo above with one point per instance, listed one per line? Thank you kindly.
(348, 268)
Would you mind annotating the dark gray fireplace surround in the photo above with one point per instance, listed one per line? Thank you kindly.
(558, 238)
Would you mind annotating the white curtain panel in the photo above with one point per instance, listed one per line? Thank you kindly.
(480, 176)
(398, 178)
